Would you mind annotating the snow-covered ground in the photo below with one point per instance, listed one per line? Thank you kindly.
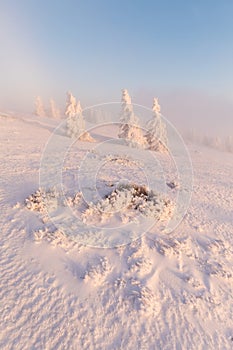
(160, 291)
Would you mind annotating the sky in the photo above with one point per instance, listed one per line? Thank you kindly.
(180, 51)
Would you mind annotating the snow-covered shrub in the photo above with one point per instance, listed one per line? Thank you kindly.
(41, 199)
(129, 123)
(75, 200)
(55, 238)
(141, 297)
(97, 272)
(54, 110)
(156, 135)
(75, 123)
(39, 108)
(140, 265)
(128, 197)
(50, 236)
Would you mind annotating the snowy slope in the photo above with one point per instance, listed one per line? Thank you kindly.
(161, 291)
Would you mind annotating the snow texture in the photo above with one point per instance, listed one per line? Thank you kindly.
(161, 291)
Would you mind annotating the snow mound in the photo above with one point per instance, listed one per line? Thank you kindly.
(86, 137)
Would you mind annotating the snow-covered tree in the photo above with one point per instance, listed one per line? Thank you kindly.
(217, 143)
(54, 110)
(229, 144)
(193, 135)
(75, 123)
(70, 105)
(156, 134)
(206, 141)
(39, 108)
(129, 123)
(213, 142)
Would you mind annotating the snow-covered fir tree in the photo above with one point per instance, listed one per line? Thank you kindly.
(211, 141)
(54, 110)
(206, 141)
(217, 142)
(156, 134)
(70, 105)
(129, 123)
(39, 108)
(75, 123)
(229, 144)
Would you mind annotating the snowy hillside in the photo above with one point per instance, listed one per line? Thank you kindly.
(159, 290)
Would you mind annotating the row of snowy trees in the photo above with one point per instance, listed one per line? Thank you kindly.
(153, 138)
(216, 142)
(40, 110)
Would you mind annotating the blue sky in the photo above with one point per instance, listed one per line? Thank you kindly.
(95, 48)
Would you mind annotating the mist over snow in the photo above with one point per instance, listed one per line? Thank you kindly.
(189, 109)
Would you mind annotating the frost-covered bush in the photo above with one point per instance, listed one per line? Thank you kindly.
(55, 238)
(128, 197)
(75, 124)
(41, 199)
(129, 123)
(97, 272)
(156, 135)
(47, 235)
(142, 297)
(75, 200)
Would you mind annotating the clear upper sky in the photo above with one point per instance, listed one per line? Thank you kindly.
(95, 48)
